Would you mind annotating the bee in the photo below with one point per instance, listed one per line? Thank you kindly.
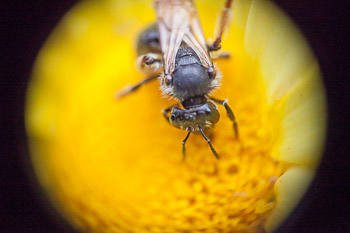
(175, 51)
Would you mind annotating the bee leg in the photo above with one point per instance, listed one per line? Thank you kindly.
(229, 113)
(150, 64)
(149, 60)
(208, 141)
(183, 145)
(165, 112)
(215, 55)
(223, 24)
(131, 88)
(212, 47)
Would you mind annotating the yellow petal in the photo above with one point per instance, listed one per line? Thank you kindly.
(115, 165)
(290, 188)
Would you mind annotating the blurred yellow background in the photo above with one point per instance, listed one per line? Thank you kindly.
(116, 165)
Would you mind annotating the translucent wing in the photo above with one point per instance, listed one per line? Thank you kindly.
(178, 22)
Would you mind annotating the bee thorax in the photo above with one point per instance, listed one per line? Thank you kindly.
(190, 77)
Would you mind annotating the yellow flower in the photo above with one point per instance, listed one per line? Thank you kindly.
(116, 165)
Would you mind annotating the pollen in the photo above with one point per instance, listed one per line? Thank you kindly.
(115, 165)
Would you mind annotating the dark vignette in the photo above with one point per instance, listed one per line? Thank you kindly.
(25, 25)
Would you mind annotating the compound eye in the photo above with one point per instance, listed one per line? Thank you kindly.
(168, 80)
(211, 73)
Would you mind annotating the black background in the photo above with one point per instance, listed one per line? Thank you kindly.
(25, 25)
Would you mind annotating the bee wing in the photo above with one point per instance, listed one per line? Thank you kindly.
(196, 40)
(177, 22)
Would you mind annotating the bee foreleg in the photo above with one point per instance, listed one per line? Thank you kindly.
(229, 113)
(131, 88)
(150, 64)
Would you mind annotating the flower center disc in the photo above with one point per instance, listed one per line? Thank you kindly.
(116, 165)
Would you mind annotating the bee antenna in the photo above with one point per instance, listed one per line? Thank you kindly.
(208, 141)
(183, 145)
